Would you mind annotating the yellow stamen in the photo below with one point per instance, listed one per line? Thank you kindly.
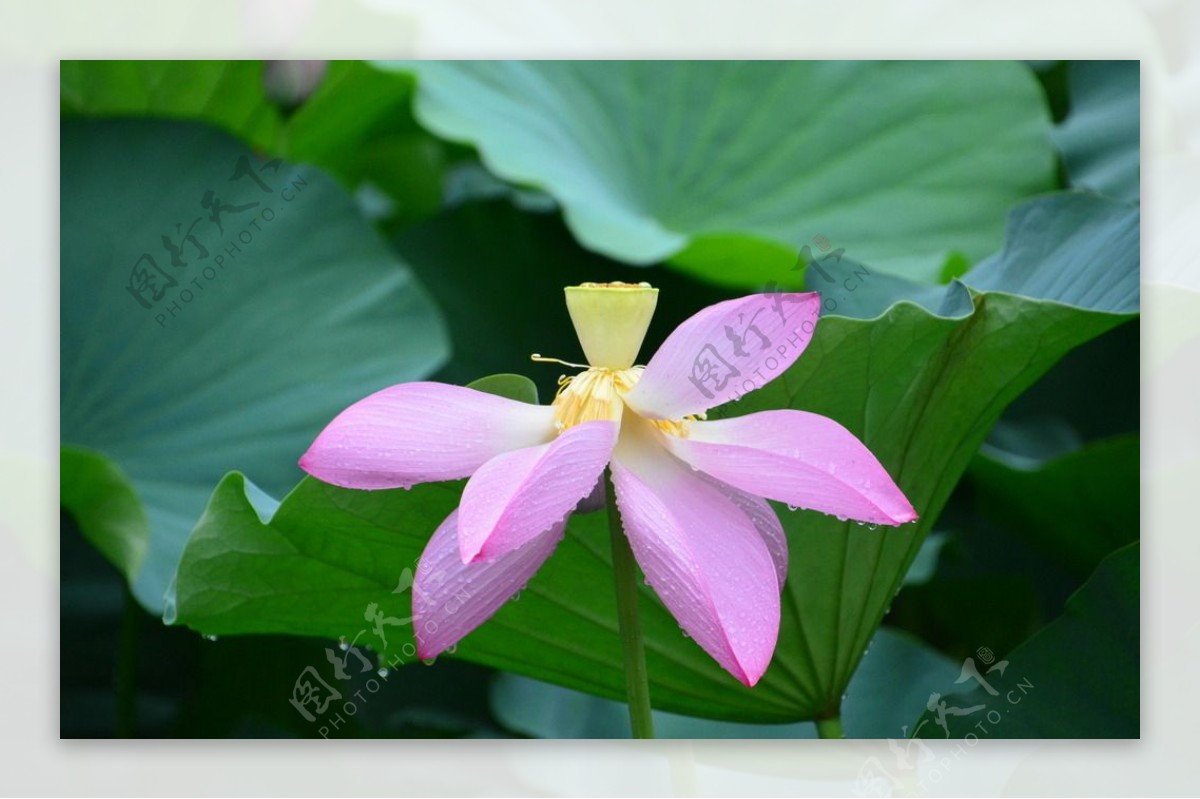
(592, 396)
(677, 427)
(671, 428)
(598, 395)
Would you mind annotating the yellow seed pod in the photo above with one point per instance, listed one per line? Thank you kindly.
(611, 320)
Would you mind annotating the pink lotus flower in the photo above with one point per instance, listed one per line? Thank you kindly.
(691, 493)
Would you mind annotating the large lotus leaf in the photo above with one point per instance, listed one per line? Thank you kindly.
(1049, 243)
(228, 94)
(730, 168)
(190, 347)
(921, 388)
(1101, 135)
(1077, 677)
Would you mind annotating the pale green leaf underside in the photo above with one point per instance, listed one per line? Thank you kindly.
(1101, 136)
(285, 320)
(899, 163)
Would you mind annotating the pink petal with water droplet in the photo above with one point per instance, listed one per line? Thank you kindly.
(803, 459)
(517, 495)
(764, 519)
(452, 598)
(422, 432)
(724, 352)
(702, 555)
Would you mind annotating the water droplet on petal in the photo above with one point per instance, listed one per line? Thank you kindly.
(383, 673)
(429, 661)
(210, 638)
(793, 507)
(345, 647)
(451, 649)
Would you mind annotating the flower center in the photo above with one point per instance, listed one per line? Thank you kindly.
(593, 395)
(597, 395)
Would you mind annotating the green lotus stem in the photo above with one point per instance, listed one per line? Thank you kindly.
(637, 681)
(830, 728)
